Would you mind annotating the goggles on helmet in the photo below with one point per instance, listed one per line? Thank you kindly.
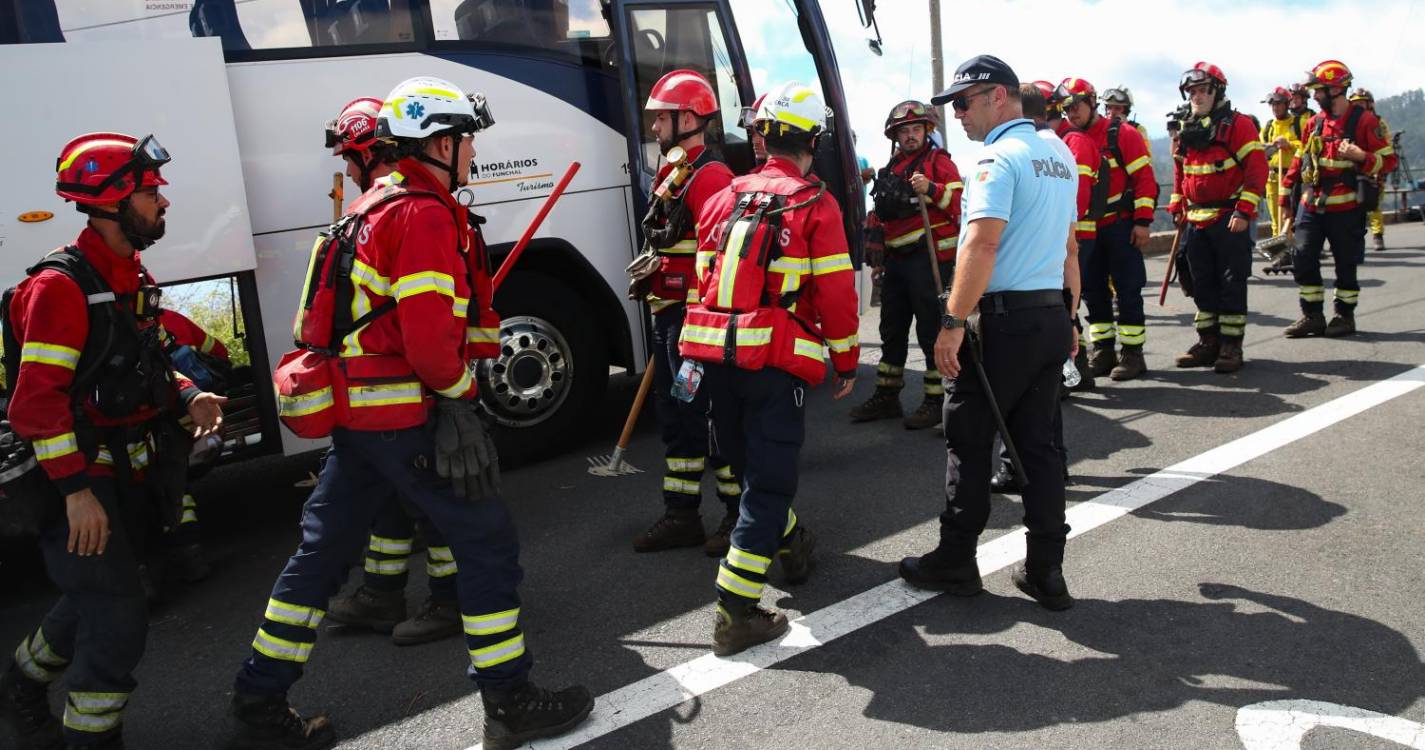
(905, 109)
(147, 156)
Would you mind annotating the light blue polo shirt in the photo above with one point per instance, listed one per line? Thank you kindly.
(1023, 179)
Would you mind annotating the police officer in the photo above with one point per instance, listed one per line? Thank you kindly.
(682, 103)
(1218, 181)
(101, 415)
(918, 169)
(801, 298)
(1343, 150)
(380, 602)
(1123, 232)
(1375, 220)
(1016, 256)
(409, 426)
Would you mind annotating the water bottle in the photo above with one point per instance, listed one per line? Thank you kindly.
(689, 377)
(1071, 373)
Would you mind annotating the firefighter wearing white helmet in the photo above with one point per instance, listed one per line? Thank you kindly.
(407, 423)
(801, 294)
(1118, 102)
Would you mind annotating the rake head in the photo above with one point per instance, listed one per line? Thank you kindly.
(612, 466)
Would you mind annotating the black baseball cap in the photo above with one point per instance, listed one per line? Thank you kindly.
(975, 71)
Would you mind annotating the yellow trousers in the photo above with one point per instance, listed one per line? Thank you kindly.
(1376, 221)
(1273, 195)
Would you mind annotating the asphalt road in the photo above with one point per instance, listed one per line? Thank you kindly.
(1293, 575)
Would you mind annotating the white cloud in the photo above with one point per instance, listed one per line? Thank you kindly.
(1141, 45)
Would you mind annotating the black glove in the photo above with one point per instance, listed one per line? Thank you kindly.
(464, 451)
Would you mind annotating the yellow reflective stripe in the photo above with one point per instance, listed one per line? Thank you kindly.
(949, 189)
(1248, 148)
(35, 658)
(499, 653)
(47, 449)
(703, 263)
(1175, 198)
(725, 472)
(685, 464)
(802, 123)
(49, 354)
(442, 554)
(460, 387)
(1348, 295)
(281, 649)
(497, 622)
(809, 349)
(791, 523)
(1087, 226)
(293, 614)
(307, 403)
(81, 148)
(385, 394)
(460, 307)
(367, 276)
(436, 569)
(792, 266)
(748, 561)
(912, 236)
(1336, 200)
(1250, 197)
(681, 247)
(1087, 171)
(948, 243)
(681, 486)
(735, 583)
(1143, 202)
(94, 712)
(1137, 164)
(1132, 335)
(482, 335)
(388, 546)
(385, 567)
(842, 346)
(1325, 163)
(432, 92)
(731, 257)
(425, 281)
(830, 264)
(1204, 214)
(729, 489)
(718, 337)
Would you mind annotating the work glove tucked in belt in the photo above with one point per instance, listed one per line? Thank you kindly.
(464, 450)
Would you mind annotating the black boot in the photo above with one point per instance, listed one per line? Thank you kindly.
(514, 717)
(938, 571)
(796, 555)
(885, 403)
(928, 414)
(741, 628)
(677, 528)
(1004, 482)
(265, 722)
(25, 717)
(1046, 587)
(190, 563)
(369, 608)
(115, 741)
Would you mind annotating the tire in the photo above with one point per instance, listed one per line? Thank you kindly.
(553, 367)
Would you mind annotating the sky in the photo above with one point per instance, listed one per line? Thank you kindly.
(1096, 40)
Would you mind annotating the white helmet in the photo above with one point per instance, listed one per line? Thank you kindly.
(793, 107)
(1119, 95)
(422, 107)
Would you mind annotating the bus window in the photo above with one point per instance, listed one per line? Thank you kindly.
(693, 39)
(571, 27)
(241, 24)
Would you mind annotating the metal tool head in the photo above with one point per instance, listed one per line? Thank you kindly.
(612, 466)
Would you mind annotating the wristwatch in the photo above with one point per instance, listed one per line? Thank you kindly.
(947, 320)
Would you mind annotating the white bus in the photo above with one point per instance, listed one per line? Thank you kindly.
(239, 90)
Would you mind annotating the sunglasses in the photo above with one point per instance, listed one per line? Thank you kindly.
(962, 103)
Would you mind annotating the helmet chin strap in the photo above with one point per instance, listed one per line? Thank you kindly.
(451, 167)
(129, 227)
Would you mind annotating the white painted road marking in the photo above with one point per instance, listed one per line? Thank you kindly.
(1281, 725)
(668, 689)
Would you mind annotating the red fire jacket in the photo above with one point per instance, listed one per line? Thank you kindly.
(1138, 171)
(814, 263)
(184, 332)
(1087, 157)
(943, 201)
(51, 319)
(674, 282)
(1335, 194)
(1232, 169)
(417, 251)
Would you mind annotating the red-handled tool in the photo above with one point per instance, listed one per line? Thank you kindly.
(534, 226)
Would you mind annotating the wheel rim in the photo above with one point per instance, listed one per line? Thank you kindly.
(531, 378)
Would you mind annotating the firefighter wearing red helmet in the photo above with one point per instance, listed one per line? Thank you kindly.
(1375, 220)
(1282, 137)
(918, 170)
(379, 603)
(1116, 255)
(748, 121)
(1344, 152)
(96, 401)
(682, 103)
(1218, 181)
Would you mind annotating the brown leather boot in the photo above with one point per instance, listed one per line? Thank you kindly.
(1201, 354)
(677, 528)
(1309, 324)
(1340, 325)
(1130, 363)
(1101, 358)
(1229, 356)
(738, 630)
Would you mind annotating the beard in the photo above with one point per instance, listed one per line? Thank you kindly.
(139, 232)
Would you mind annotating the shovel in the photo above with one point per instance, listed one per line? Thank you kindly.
(614, 465)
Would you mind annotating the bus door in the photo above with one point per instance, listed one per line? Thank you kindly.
(658, 36)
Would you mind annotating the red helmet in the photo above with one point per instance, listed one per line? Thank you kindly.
(681, 90)
(1278, 95)
(1071, 91)
(1331, 73)
(1200, 73)
(355, 128)
(101, 168)
(907, 112)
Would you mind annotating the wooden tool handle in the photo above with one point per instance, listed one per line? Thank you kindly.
(1172, 262)
(338, 195)
(644, 386)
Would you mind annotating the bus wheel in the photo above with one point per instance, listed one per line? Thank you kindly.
(552, 369)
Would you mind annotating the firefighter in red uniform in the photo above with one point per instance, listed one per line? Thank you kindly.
(759, 328)
(1088, 160)
(380, 602)
(1218, 182)
(1122, 234)
(682, 102)
(918, 169)
(1343, 152)
(759, 144)
(97, 400)
(406, 422)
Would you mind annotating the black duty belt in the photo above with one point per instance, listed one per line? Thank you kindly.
(1000, 303)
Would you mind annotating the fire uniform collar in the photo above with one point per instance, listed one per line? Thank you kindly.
(122, 274)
